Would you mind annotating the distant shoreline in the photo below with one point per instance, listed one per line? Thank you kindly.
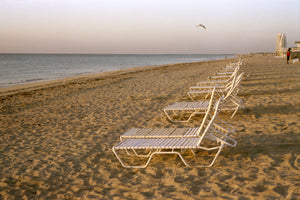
(6, 91)
(19, 69)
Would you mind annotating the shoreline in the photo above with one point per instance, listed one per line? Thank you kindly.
(27, 87)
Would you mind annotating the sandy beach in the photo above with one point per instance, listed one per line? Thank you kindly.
(57, 137)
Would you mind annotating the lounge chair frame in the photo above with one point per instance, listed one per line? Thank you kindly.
(232, 101)
(167, 144)
(190, 109)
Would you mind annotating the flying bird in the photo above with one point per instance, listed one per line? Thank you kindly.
(201, 25)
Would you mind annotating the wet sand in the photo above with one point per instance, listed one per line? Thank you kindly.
(56, 138)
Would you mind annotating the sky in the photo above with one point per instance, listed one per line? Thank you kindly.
(146, 26)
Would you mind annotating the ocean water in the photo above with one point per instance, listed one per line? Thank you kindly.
(16, 69)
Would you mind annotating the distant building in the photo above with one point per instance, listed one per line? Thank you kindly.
(298, 44)
(280, 44)
(295, 51)
(297, 47)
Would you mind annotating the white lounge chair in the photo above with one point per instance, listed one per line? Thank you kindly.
(232, 101)
(221, 80)
(222, 83)
(231, 67)
(225, 74)
(175, 132)
(205, 91)
(220, 125)
(184, 111)
(192, 139)
(226, 71)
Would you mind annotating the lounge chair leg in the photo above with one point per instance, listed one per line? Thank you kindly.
(201, 166)
(182, 121)
(234, 112)
(128, 153)
(148, 161)
(213, 161)
(173, 152)
(140, 155)
(206, 96)
(136, 154)
(120, 160)
(168, 116)
(127, 166)
(191, 96)
(175, 113)
(193, 152)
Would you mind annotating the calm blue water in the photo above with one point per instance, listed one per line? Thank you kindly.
(16, 69)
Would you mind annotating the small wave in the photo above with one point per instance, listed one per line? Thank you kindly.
(20, 82)
(32, 80)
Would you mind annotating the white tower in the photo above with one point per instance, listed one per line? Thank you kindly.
(280, 44)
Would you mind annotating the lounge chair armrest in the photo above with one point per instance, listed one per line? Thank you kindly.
(224, 139)
(228, 141)
(224, 126)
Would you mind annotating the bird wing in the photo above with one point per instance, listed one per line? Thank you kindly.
(201, 25)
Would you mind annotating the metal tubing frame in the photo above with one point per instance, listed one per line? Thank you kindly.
(172, 152)
(193, 113)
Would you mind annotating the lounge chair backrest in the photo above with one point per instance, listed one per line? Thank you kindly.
(236, 70)
(238, 82)
(235, 83)
(232, 78)
(208, 112)
(231, 83)
(236, 67)
(209, 122)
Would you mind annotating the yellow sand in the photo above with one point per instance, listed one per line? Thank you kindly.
(56, 137)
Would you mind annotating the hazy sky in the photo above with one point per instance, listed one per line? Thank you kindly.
(146, 26)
